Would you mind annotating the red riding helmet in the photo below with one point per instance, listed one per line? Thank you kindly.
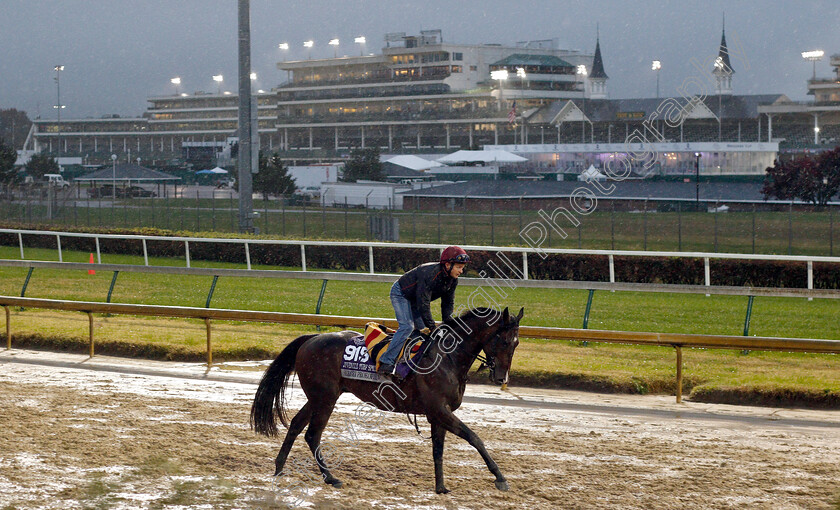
(455, 255)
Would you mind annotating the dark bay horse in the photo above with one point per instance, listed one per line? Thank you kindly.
(435, 388)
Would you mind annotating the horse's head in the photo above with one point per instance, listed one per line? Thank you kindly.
(499, 348)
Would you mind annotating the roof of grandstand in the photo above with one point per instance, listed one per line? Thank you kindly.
(521, 59)
(607, 110)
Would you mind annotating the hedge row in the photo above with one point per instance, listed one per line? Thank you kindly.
(669, 270)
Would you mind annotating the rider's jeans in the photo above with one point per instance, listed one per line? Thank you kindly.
(408, 322)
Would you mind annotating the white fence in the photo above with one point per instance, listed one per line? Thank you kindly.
(371, 246)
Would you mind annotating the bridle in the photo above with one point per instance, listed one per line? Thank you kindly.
(490, 361)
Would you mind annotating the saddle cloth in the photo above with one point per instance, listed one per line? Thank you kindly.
(362, 353)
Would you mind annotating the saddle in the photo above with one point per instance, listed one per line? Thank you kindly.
(378, 337)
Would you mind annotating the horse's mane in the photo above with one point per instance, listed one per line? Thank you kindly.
(479, 312)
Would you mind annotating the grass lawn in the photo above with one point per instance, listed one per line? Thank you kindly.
(607, 367)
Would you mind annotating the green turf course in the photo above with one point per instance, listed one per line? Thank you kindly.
(596, 366)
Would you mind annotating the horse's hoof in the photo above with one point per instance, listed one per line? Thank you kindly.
(442, 490)
(502, 485)
(335, 482)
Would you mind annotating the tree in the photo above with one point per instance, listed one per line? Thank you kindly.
(8, 155)
(41, 164)
(364, 164)
(14, 126)
(813, 180)
(273, 177)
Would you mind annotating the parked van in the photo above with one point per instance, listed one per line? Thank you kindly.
(56, 180)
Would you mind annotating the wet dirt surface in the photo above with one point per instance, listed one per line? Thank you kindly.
(110, 433)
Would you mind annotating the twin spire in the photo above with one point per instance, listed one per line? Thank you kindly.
(722, 69)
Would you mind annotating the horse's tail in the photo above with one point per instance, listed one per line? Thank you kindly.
(270, 399)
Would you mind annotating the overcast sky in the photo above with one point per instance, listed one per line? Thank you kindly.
(117, 53)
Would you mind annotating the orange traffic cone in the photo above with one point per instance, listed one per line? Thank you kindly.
(91, 271)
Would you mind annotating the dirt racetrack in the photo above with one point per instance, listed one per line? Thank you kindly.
(109, 433)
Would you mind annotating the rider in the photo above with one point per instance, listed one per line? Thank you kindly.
(412, 294)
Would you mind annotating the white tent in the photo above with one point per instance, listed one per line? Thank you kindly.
(489, 156)
(592, 174)
(413, 162)
(217, 170)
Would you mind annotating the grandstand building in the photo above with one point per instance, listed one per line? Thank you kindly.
(422, 94)
(809, 125)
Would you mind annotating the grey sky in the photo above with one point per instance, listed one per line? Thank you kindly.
(116, 53)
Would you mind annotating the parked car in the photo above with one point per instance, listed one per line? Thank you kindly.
(138, 192)
(55, 180)
(309, 191)
(107, 191)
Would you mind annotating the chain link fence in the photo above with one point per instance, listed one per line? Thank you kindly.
(794, 229)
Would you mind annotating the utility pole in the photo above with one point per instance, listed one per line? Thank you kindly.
(58, 106)
(246, 209)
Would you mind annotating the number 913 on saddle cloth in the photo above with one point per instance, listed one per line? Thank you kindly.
(362, 353)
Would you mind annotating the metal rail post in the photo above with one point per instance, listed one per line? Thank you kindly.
(679, 373)
(588, 309)
(492, 223)
(212, 289)
(8, 328)
(209, 344)
(26, 282)
(679, 226)
(320, 300)
(111, 288)
(90, 332)
(749, 316)
(303, 257)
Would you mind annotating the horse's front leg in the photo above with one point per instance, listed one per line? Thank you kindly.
(438, 437)
(453, 424)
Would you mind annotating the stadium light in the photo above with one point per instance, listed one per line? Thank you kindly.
(114, 170)
(308, 45)
(361, 41)
(656, 65)
(697, 180)
(813, 56)
(501, 75)
(175, 81)
(218, 78)
(58, 107)
(283, 46)
(334, 44)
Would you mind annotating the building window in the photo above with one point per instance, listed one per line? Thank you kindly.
(473, 68)
(456, 69)
(457, 56)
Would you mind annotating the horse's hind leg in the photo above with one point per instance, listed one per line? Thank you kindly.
(320, 416)
(295, 427)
